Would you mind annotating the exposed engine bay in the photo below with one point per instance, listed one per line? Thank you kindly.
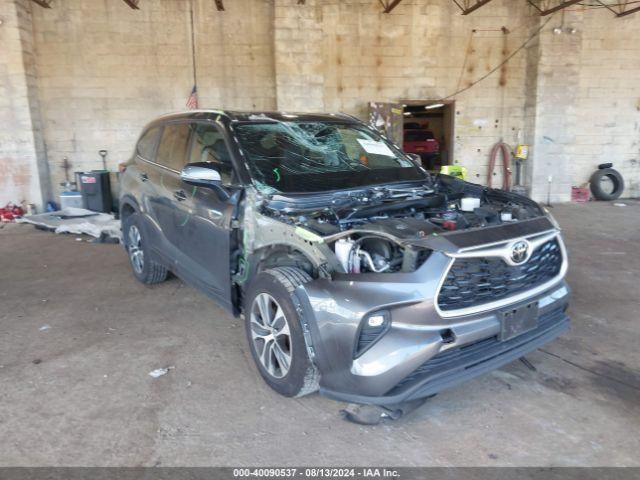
(376, 229)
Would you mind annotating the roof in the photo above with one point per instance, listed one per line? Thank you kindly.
(257, 116)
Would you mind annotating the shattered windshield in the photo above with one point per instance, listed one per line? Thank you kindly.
(293, 157)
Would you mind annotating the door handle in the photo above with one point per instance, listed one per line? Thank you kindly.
(144, 177)
(179, 195)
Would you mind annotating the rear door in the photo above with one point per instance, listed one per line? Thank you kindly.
(203, 219)
(141, 178)
(167, 186)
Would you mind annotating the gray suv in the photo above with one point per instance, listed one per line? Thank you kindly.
(357, 272)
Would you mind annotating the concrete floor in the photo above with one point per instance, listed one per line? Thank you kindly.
(79, 393)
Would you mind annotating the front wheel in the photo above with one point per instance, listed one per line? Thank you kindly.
(144, 267)
(275, 334)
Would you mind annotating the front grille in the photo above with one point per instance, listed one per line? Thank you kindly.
(475, 281)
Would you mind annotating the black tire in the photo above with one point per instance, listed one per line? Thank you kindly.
(596, 187)
(279, 283)
(151, 271)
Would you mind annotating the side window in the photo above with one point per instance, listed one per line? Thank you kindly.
(208, 146)
(172, 151)
(147, 143)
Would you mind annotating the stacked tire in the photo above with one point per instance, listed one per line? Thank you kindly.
(606, 172)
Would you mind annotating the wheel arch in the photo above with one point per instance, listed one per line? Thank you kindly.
(281, 255)
(128, 206)
(267, 257)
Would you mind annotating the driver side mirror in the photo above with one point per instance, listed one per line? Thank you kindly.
(203, 174)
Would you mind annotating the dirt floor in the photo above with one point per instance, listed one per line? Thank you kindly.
(79, 336)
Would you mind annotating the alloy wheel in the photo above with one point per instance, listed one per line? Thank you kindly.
(271, 335)
(136, 255)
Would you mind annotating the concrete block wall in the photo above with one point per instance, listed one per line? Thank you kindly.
(607, 103)
(23, 169)
(235, 54)
(95, 71)
(105, 70)
(555, 97)
(339, 55)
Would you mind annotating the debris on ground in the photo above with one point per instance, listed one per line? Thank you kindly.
(44, 327)
(158, 372)
(102, 226)
(620, 204)
(373, 414)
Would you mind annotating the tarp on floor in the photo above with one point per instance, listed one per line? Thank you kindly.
(77, 221)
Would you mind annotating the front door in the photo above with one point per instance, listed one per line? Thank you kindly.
(203, 219)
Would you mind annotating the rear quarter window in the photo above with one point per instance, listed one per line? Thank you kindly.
(147, 143)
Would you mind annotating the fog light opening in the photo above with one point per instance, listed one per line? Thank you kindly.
(376, 321)
(448, 336)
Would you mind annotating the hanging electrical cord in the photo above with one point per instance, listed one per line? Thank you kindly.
(506, 164)
(501, 64)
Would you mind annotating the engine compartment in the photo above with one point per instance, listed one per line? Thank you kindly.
(371, 230)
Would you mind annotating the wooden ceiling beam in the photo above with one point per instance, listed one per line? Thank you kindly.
(219, 5)
(476, 6)
(390, 5)
(628, 12)
(43, 3)
(133, 4)
(562, 5)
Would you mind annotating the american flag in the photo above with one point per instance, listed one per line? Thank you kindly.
(192, 101)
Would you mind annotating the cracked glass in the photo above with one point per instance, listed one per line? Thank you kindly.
(291, 157)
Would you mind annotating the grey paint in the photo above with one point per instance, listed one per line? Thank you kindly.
(193, 236)
(335, 310)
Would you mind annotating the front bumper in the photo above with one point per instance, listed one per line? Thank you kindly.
(415, 356)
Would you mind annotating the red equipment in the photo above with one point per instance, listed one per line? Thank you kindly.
(420, 142)
(10, 212)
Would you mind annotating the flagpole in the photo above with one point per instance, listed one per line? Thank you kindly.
(193, 46)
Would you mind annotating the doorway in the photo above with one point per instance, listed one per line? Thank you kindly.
(428, 132)
(422, 127)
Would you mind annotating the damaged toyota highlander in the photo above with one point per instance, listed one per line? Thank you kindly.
(357, 273)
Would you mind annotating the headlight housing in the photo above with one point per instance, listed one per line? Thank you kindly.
(551, 218)
(369, 253)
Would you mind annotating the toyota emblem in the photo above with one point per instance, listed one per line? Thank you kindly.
(520, 252)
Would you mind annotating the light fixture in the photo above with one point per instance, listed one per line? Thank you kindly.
(557, 30)
(407, 114)
(435, 105)
(571, 30)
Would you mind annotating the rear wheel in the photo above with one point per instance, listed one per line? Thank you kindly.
(144, 267)
(275, 334)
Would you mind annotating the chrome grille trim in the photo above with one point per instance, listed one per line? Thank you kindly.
(502, 250)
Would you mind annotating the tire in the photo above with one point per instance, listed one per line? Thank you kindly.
(148, 271)
(596, 187)
(297, 376)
